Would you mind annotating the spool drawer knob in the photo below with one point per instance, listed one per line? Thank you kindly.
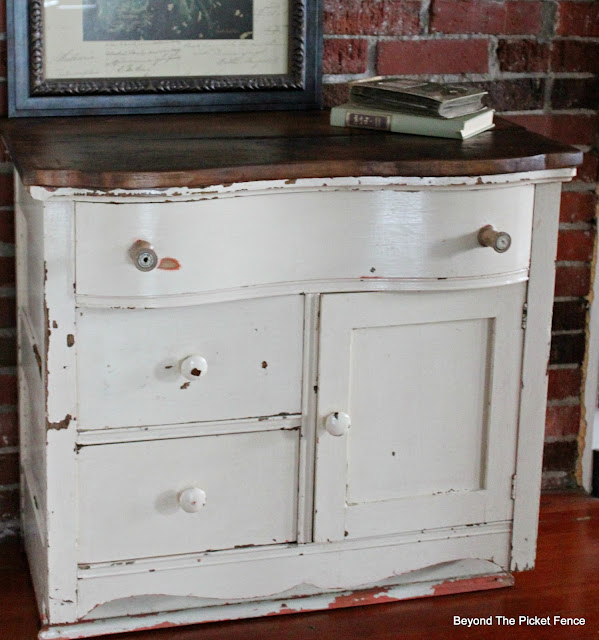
(499, 240)
(143, 255)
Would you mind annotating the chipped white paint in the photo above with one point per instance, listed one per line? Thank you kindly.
(537, 342)
(159, 487)
(300, 238)
(311, 184)
(452, 577)
(431, 381)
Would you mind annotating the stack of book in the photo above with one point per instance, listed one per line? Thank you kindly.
(411, 106)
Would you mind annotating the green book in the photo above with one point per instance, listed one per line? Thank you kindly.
(462, 127)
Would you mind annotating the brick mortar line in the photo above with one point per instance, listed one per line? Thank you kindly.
(8, 450)
(573, 263)
(554, 439)
(570, 401)
(567, 332)
(10, 487)
(8, 408)
(8, 292)
(563, 367)
(576, 226)
(579, 187)
(8, 371)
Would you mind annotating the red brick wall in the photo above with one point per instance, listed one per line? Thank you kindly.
(9, 456)
(539, 62)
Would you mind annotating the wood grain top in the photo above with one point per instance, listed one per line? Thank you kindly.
(199, 150)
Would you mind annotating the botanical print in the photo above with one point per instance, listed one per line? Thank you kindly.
(167, 20)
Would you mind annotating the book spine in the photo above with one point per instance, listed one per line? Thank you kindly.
(397, 123)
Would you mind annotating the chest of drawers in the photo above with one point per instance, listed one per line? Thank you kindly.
(307, 373)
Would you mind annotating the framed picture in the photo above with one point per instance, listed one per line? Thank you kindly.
(86, 57)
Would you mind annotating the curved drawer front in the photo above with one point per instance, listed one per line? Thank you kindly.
(192, 364)
(233, 242)
(134, 497)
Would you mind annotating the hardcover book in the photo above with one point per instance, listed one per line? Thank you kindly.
(460, 128)
(415, 96)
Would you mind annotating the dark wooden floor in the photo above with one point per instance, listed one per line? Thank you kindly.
(565, 582)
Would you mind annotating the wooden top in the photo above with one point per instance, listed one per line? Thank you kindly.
(199, 150)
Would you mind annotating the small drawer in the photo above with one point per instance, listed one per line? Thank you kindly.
(155, 498)
(190, 364)
(298, 237)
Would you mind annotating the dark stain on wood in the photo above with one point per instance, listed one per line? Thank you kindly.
(54, 324)
(196, 372)
(264, 364)
(38, 359)
(185, 385)
(203, 150)
(70, 340)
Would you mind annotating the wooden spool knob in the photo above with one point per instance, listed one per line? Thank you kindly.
(192, 500)
(499, 240)
(143, 255)
(337, 423)
(193, 367)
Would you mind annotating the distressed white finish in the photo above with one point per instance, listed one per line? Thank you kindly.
(250, 481)
(537, 343)
(431, 381)
(178, 455)
(312, 236)
(131, 374)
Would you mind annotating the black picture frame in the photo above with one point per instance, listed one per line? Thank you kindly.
(30, 93)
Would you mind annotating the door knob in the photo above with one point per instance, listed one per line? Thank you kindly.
(499, 240)
(192, 500)
(337, 423)
(193, 367)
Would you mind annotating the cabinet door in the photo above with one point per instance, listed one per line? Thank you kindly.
(431, 384)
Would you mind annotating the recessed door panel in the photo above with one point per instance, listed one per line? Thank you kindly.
(430, 382)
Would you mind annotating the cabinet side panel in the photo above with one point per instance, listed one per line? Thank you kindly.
(29, 214)
(534, 375)
(60, 409)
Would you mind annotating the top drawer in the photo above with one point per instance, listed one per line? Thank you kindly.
(232, 242)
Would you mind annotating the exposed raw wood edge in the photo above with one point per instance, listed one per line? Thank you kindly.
(590, 376)
(335, 600)
(259, 187)
(311, 286)
(534, 380)
(111, 435)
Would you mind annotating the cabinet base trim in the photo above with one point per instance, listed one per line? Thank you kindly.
(337, 600)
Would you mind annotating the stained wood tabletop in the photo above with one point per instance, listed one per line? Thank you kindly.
(200, 150)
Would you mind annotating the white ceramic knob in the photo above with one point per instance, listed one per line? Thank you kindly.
(499, 240)
(337, 423)
(192, 500)
(193, 367)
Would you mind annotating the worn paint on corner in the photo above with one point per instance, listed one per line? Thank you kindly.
(62, 424)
